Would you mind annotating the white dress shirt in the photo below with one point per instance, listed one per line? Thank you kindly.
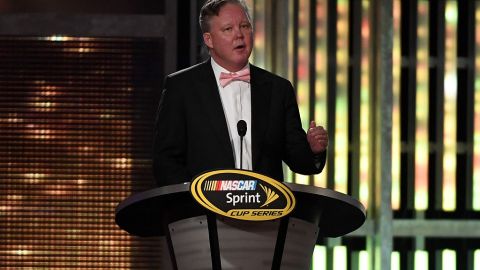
(236, 102)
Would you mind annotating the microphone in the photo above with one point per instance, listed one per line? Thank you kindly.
(242, 130)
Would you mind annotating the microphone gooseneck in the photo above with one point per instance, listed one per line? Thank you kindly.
(242, 130)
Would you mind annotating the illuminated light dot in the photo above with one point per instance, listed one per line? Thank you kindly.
(421, 259)
(47, 90)
(56, 192)
(451, 14)
(342, 58)
(22, 252)
(57, 38)
(365, 31)
(47, 93)
(319, 259)
(43, 137)
(44, 104)
(342, 78)
(422, 55)
(450, 85)
(42, 131)
(34, 175)
(422, 32)
(82, 50)
(342, 25)
(14, 120)
(122, 163)
(395, 261)
(449, 259)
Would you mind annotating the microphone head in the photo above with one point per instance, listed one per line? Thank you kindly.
(242, 128)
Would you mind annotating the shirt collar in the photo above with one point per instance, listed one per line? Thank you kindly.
(217, 69)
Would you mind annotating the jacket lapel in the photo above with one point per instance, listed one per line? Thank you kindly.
(212, 104)
(260, 93)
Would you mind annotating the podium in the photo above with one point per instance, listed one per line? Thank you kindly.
(192, 237)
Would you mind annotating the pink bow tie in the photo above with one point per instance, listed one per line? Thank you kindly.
(242, 75)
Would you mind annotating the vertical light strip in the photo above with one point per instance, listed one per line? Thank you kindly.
(476, 258)
(395, 261)
(365, 104)
(291, 38)
(421, 110)
(450, 107)
(321, 77)
(303, 72)
(449, 259)
(476, 147)
(251, 9)
(340, 258)
(258, 13)
(364, 260)
(291, 31)
(341, 104)
(421, 260)
(397, 57)
(319, 259)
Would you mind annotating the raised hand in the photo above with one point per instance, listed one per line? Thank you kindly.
(317, 137)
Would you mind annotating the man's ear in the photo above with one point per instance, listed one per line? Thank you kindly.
(207, 39)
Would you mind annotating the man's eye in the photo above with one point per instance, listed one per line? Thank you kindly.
(227, 29)
(245, 26)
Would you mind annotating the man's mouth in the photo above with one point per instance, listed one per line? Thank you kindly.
(240, 47)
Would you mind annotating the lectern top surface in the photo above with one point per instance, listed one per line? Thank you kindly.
(148, 213)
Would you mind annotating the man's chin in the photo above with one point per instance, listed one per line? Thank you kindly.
(242, 60)
(241, 64)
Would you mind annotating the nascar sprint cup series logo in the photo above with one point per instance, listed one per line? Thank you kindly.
(242, 195)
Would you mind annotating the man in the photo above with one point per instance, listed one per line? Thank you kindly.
(196, 126)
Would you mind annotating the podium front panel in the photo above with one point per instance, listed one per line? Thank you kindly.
(191, 245)
(164, 254)
(299, 245)
(247, 245)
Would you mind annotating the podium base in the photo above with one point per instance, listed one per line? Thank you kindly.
(241, 245)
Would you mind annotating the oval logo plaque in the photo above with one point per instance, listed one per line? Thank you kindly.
(243, 195)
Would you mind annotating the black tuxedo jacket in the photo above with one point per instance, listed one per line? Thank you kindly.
(191, 134)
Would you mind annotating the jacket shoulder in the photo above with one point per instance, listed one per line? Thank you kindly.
(265, 74)
(189, 72)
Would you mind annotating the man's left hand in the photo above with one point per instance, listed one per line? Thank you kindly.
(317, 137)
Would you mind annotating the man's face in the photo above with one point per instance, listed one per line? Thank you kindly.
(230, 37)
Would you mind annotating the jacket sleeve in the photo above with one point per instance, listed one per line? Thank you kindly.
(298, 155)
(169, 143)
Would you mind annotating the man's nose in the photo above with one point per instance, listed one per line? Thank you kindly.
(238, 32)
